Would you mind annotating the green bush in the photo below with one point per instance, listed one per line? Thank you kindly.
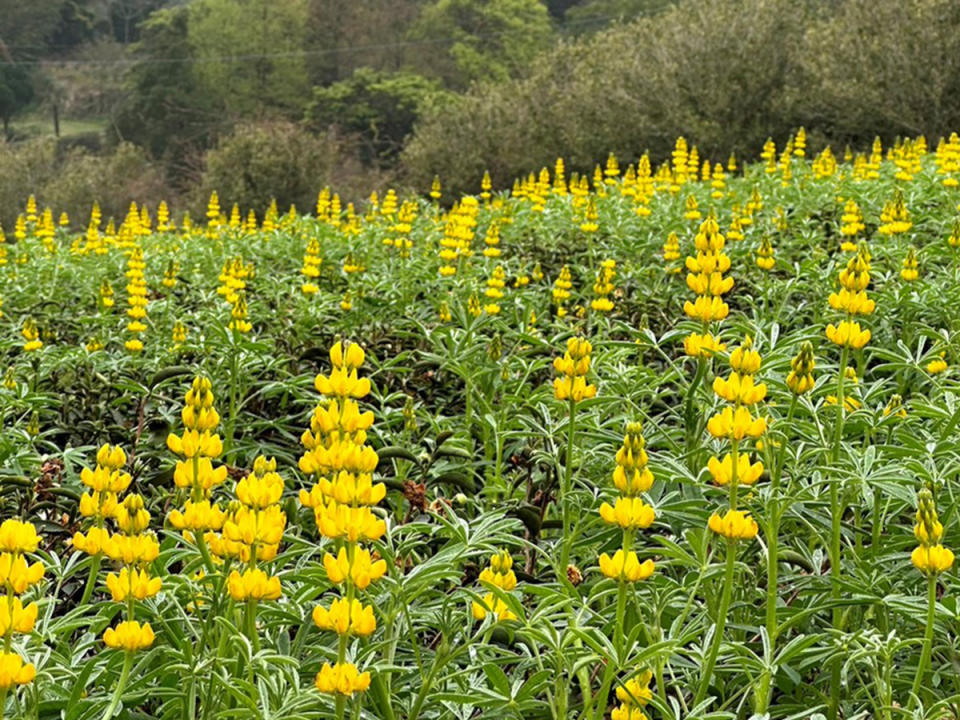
(378, 108)
(714, 71)
(278, 160)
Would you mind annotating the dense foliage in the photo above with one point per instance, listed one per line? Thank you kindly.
(669, 442)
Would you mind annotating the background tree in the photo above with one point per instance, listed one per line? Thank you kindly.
(379, 108)
(464, 41)
(249, 55)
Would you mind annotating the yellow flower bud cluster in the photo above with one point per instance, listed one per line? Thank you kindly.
(603, 287)
(705, 275)
(17, 575)
(929, 557)
(734, 423)
(895, 218)
(800, 378)
(342, 499)
(136, 299)
(561, 290)
(499, 573)
(31, 334)
(629, 512)
(252, 530)
(573, 368)
(633, 695)
(459, 229)
(853, 301)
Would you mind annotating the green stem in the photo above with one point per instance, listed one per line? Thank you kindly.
(121, 685)
(836, 512)
(565, 499)
(928, 634)
(91, 578)
(707, 673)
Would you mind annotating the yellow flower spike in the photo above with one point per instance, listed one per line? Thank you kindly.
(848, 333)
(747, 473)
(131, 515)
(932, 559)
(739, 389)
(636, 691)
(627, 712)
(14, 617)
(132, 550)
(736, 424)
(705, 345)
(13, 671)
(734, 525)
(130, 636)
(111, 457)
(492, 604)
(625, 566)
(92, 543)
(18, 537)
(202, 515)
(253, 584)
(341, 679)
(132, 583)
(628, 513)
(346, 617)
(361, 572)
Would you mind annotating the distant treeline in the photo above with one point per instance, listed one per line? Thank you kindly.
(277, 98)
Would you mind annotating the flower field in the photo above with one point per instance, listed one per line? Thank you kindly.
(658, 441)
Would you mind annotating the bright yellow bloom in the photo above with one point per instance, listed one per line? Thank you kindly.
(937, 365)
(705, 345)
(628, 513)
(625, 566)
(744, 359)
(722, 470)
(341, 679)
(111, 458)
(131, 515)
(636, 691)
(494, 605)
(129, 636)
(17, 536)
(13, 671)
(627, 712)
(105, 479)
(253, 584)
(351, 359)
(93, 542)
(573, 388)
(932, 559)
(734, 525)
(343, 382)
(848, 333)
(204, 476)
(132, 549)
(361, 570)
(736, 424)
(335, 520)
(193, 443)
(852, 302)
(14, 617)
(707, 308)
(739, 388)
(346, 617)
(131, 582)
(202, 515)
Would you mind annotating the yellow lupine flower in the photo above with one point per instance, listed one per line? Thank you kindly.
(17, 536)
(932, 559)
(130, 636)
(201, 515)
(361, 571)
(131, 582)
(346, 617)
(734, 525)
(736, 424)
(253, 584)
(341, 679)
(628, 513)
(13, 671)
(14, 617)
(722, 470)
(493, 605)
(625, 566)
